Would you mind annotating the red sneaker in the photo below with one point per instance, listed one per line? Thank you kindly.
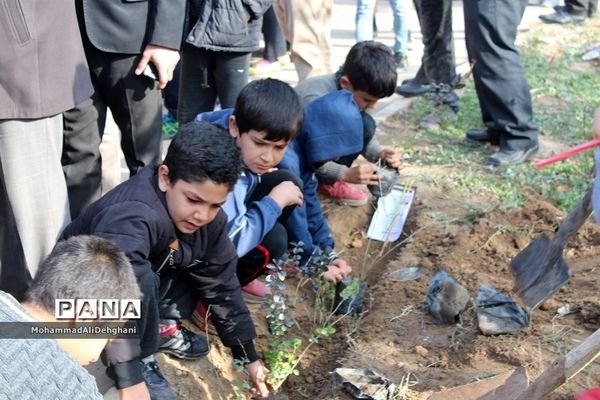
(590, 394)
(344, 192)
(201, 320)
(256, 292)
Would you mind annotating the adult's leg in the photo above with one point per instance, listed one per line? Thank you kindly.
(364, 20)
(307, 26)
(81, 155)
(197, 90)
(436, 28)
(136, 106)
(500, 83)
(577, 7)
(275, 46)
(14, 276)
(230, 73)
(400, 26)
(35, 188)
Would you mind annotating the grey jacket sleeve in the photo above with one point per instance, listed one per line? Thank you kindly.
(372, 150)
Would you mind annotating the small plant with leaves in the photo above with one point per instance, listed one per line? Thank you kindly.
(284, 350)
(240, 386)
(281, 356)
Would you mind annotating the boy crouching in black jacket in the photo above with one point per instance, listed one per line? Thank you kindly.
(169, 222)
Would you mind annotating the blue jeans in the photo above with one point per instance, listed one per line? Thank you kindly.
(364, 23)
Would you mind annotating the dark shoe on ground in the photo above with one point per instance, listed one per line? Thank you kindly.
(506, 157)
(182, 343)
(562, 16)
(412, 88)
(482, 135)
(155, 381)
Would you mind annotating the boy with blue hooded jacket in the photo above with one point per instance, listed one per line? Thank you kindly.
(263, 198)
(333, 129)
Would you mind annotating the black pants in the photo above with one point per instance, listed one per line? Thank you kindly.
(502, 89)
(275, 46)
(81, 155)
(582, 8)
(437, 63)
(207, 75)
(136, 106)
(275, 243)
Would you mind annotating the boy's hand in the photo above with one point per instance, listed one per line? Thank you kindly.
(258, 376)
(163, 58)
(391, 157)
(596, 125)
(362, 174)
(135, 392)
(287, 193)
(337, 271)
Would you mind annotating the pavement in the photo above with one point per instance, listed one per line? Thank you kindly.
(115, 170)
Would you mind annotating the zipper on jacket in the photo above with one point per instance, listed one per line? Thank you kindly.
(169, 258)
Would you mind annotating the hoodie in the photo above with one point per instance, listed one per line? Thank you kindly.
(247, 224)
(333, 128)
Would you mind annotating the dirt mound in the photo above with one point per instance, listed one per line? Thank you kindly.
(396, 336)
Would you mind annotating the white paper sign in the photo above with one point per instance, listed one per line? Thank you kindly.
(389, 218)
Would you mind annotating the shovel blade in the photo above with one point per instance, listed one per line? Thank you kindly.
(517, 380)
(539, 271)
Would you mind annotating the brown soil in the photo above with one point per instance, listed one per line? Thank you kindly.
(465, 236)
(396, 336)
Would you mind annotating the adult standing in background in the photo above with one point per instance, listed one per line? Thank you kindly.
(437, 64)
(215, 57)
(500, 82)
(43, 72)
(365, 10)
(121, 38)
(306, 24)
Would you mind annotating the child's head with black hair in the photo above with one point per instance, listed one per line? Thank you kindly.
(268, 114)
(369, 72)
(201, 167)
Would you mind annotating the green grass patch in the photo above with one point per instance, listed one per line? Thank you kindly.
(565, 93)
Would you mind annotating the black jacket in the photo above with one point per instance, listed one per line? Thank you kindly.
(135, 217)
(227, 25)
(127, 26)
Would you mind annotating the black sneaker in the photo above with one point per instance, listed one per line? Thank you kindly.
(184, 344)
(562, 17)
(155, 381)
(412, 88)
(506, 157)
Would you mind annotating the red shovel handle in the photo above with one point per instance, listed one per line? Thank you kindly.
(568, 153)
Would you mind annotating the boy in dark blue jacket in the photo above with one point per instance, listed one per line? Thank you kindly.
(168, 221)
(333, 128)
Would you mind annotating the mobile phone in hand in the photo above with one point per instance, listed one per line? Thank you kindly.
(150, 71)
